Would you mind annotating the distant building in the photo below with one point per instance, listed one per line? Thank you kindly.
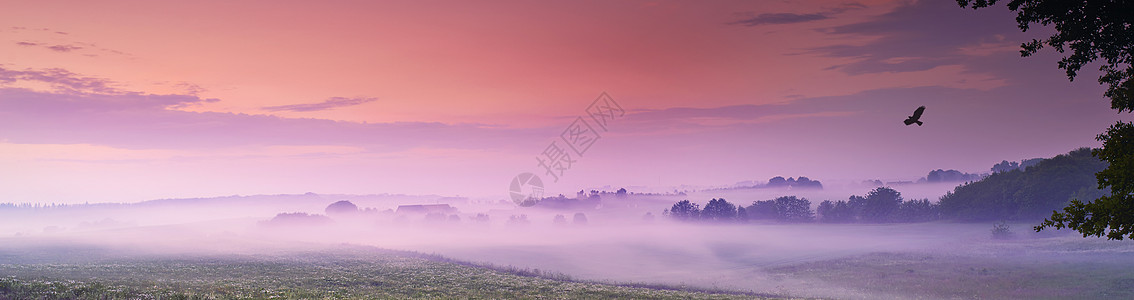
(425, 209)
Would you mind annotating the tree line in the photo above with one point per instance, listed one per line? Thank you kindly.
(880, 205)
(1011, 192)
(1030, 193)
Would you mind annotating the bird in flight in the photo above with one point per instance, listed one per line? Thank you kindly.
(915, 117)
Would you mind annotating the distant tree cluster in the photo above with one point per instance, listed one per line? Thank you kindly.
(783, 209)
(1007, 166)
(801, 183)
(881, 205)
(717, 210)
(940, 175)
(11, 205)
(298, 218)
(1028, 194)
(341, 208)
(518, 220)
(583, 201)
(578, 219)
(587, 200)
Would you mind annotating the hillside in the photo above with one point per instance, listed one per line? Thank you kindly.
(1028, 194)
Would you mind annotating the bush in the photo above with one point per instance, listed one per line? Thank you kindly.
(579, 219)
(1001, 231)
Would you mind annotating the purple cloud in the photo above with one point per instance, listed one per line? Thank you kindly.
(147, 121)
(780, 18)
(918, 36)
(61, 80)
(792, 18)
(333, 102)
(64, 48)
(86, 110)
(27, 44)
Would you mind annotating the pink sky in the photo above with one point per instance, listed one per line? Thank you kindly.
(126, 101)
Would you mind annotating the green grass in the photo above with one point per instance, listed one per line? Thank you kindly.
(915, 275)
(344, 272)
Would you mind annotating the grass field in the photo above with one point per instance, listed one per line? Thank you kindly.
(924, 275)
(341, 272)
(892, 261)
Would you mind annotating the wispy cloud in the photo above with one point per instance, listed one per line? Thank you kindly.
(62, 81)
(780, 18)
(56, 48)
(64, 48)
(86, 110)
(792, 18)
(918, 36)
(333, 102)
(60, 41)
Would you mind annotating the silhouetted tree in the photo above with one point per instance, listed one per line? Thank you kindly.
(1002, 231)
(879, 204)
(741, 214)
(842, 212)
(1095, 31)
(837, 211)
(783, 209)
(341, 208)
(807, 183)
(777, 181)
(1005, 166)
(793, 209)
(940, 175)
(719, 210)
(518, 220)
(855, 206)
(824, 210)
(685, 211)
(762, 210)
(560, 220)
(301, 219)
(802, 182)
(579, 219)
(917, 211)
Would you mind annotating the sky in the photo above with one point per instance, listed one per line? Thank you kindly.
(126, 101)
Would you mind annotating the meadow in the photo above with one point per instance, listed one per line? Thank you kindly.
(339, 272)
(172, 252)
(894, 261)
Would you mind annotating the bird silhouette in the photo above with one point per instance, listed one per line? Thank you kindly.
(915, 117)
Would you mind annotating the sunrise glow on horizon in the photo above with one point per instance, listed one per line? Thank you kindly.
(126, 101)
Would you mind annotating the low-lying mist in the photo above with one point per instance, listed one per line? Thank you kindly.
(613, 243)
